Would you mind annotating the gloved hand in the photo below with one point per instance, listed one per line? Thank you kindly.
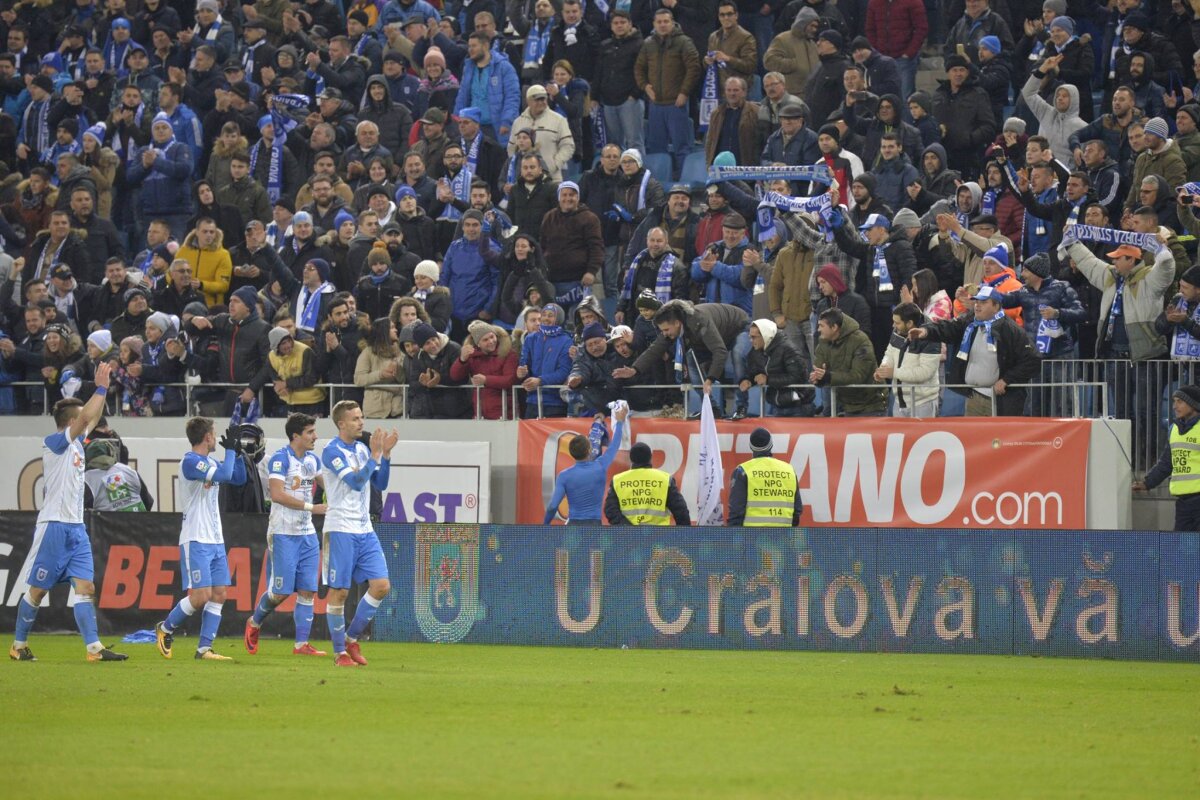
(622, 213)
(230, 440)
(836, 219)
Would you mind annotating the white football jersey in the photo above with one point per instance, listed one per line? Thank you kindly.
(349, 508)
(199, 500)
(62, 479)
(298, 476)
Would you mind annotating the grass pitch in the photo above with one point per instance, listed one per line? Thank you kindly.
(481, 722)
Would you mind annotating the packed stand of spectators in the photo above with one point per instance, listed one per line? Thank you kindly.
(459, 209)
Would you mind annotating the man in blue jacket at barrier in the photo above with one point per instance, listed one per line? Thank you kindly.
(546, 361)
(583, 484)
(489, 83)
(469, 272)
(719, 268)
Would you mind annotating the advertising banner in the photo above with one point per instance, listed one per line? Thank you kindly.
(449, 482)
(946, 473)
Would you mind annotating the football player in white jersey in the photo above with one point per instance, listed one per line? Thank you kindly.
(352, 552)
(293, 549)
(202, 561)
(61, 548)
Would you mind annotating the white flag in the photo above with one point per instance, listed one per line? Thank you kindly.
(708, 496)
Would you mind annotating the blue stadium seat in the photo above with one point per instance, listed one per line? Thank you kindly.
(695, 170)
(660, 167)
(755, 91)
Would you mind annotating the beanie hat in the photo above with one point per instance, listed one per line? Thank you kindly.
(102, 340)
(1014, 125)
(301, 218)
(594, 330)
(134, 343)
(640, 455)
(1066, 23)
(833, 276)
(434, 56)
(247, 295)
(323, 268)
(160, 320)
(275, 336)
(956, 60)
(198, 309)
(70, 125)
(341, 218)
(97, 132)
(427, 269)
(636, 155)
(1193, 111)
(906, 218)
(1139, 20)
(760, 441)
(360, 17)
(991, 44)
(1191, 275)
(406, 333)
(865, 180)
(567, 185)
(999, 254)
(405, 191)
(44, 83)
(833, 37)
(1157, 126)
(474, 214)
(647, 299)
(479, 329)
(1059, 7)
(1038, 264)
(724, 159)
(1189, 395)
(136, 291)
(860, 43)
(423, 333)
(832, 131)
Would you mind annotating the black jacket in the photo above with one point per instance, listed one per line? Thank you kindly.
(899, 257)
(438, 402)
(169, 301)
(824, 91)
(970, 125)
(1017, 359)
(242, 350)
(784, 365)
(529, 206)
(376, 299)
(614, 84)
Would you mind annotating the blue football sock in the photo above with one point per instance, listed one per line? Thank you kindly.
(179, 614)
(303, 615)
(26, 615)
(363, 615)
(209, 622)
(335, 618)
(263, 609)
(85, 619)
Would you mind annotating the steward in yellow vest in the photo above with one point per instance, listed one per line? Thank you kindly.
(643, 495)
(294, 372)
(763, 490)
(1180, 460)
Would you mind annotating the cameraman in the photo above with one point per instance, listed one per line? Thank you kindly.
(248, 498)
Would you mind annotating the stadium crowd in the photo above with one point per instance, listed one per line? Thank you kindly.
(268, 206)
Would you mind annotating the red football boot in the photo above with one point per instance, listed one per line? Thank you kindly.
(250, 637)
(307, 649)
(355, 652)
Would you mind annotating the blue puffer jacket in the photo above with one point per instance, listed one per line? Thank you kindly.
(724, 283)
(504, 93)
(167, 184)
(1054, 294)
(469, 273)
(549, 358)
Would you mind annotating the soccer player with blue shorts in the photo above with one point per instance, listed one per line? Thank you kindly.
(352, 551)
(61, 548)
(292, 546)
(202, 561)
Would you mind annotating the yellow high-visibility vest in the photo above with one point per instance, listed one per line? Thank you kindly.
(642, 494)
(770, 492)
(1185, 461)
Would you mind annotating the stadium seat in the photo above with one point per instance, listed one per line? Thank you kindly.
(660, 167)
(695, 170)
(754, 92)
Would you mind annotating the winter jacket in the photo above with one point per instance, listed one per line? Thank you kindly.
(500, 371)
(995, 77)
(800, 149)
(504, 92)
(681, 235)
(1161, 63)
(528, 205)
(376, 298)
(824, 91)
(897, 254)
(794, 55)
(381, 401)
(1076, 69)
(967, 32)
(788, 290)
(1015, 355)
(872, 130)
(1010, 213)
(849, 303)
(442, 401)
(749, 141)
(708, 328)
(729, 281)
(580, 53)
(1115, 135)
(780, 360)
(849, 360)
(742, 50)
(1141, 302)
(572, 244)
(615, 83)
(645, 276)
(669, 64)
(1167, 164)
(166, 186)
(470, 273)
(243, 350)
(552, 138)
(939, 186)
(892, 179)
(897, 28)
(1056, 126)
(212, 267)
(1053, 294)
(548, 357)
(915, 363)
(968, 252)
(967, 117)
(599, 190)
(248, 197)
(419, 233)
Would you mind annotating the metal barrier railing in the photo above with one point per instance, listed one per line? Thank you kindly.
(1079, 399)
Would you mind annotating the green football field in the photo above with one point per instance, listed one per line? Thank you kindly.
(483, 722)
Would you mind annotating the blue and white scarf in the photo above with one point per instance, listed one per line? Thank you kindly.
(598, 437)
(536, 42)
(461, 187)
(41, 136)
(1047, 331)
(473, 152)
(1076, 207)
(249, 54)
(1117, 43)
(819, 205)
(709, 95)
(114, 56)
(641, 201)
(964, 349)
(599, 127)
(308, 306)
(1184, 346)
(662, 281)
(680, 367)
(282, 124)
(818, 172)
(245, 413)
(1117, 309)
(126, 146)
(880, 269)
(211, 33)
(1093, 233)
(987, 203)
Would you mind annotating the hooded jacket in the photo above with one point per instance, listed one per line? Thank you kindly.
(848, 360)
(548, 357)
(793, 54)
(504, 92)
(470, 273)
(872, 130)
(824, 90)
(936, 187)
(782, 363)
(500, 375)
(892, 179)
(1057, 126)
(967, 117)
(707, 328)
(1166, 164)
(393, 119)
(516, 278)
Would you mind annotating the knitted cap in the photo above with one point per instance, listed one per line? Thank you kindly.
(427, 269)
(760, 441)
(423, 333)
(1158, 127)
(647, 299)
